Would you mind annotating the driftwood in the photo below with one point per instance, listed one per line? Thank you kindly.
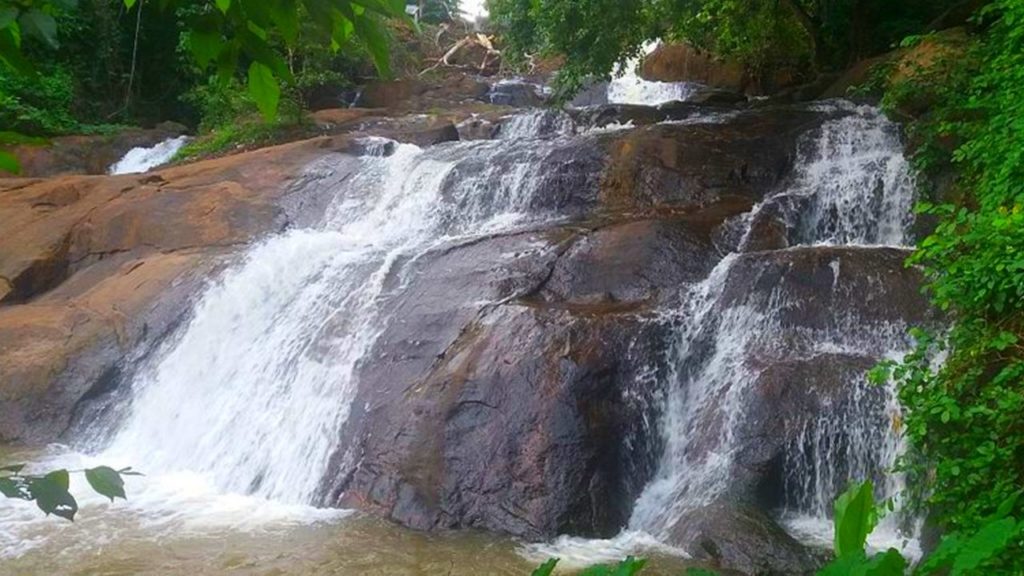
(472, 40)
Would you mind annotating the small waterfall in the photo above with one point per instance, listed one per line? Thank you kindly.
(711, 384)
(139, 160)
(858, 183)
(627, 87)
(541, 123)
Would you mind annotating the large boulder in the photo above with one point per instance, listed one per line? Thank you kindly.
(677, 62)
(512, 394)
(743, 538)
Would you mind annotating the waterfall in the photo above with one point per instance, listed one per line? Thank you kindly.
(627, 87)
(711, 383)
(253, 392)
(141, 159)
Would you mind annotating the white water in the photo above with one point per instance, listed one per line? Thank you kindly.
(242, 409)
(848, 156)
(139, 160)
(712, 378)
(627, 87)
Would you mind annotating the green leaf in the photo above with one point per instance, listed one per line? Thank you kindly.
(8, 163)
(376, 41)
(129, 3)
(285, 14)
(40, 25)
(546, 569)
(205, 46)
(15, 488)
(628, 567)
(8, 15)
(106, 482)
(889, 563)
(264, 90)
(51, 494)
(854, 519)
(223, 5)
(984, 545)
(1006, 508)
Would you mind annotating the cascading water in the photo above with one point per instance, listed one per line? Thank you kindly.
(627, 87)
(236, 418)
(139, 160)
(706, 405)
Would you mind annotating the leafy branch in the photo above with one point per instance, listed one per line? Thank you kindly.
(51, 491)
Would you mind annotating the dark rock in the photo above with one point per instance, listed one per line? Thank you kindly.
(516, 94)
(593, 95)
(742, 538)
(716, 96)
(527, 418)
(699, 164)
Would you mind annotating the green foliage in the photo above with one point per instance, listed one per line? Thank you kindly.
(51, 491)
(765, 35)
(958, 554)
(963, 390)
(39, 104)
(628, 567)
(239, 135)
(855, 518)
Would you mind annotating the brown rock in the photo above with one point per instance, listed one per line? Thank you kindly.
(683, 63)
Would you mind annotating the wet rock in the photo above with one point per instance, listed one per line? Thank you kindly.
(629, 262)
(697, 164)
(492, 407)
(742, 538)
(716, 96)
(870, 286)
(517, 94)
(593, 95)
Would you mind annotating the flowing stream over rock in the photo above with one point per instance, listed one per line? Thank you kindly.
(236, 418)
(139, 160)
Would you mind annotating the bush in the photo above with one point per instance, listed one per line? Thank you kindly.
(39, 106)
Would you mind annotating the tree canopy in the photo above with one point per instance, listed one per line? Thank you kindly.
(765, 35)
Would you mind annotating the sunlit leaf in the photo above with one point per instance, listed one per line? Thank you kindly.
(264, 90)
(854, 519)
